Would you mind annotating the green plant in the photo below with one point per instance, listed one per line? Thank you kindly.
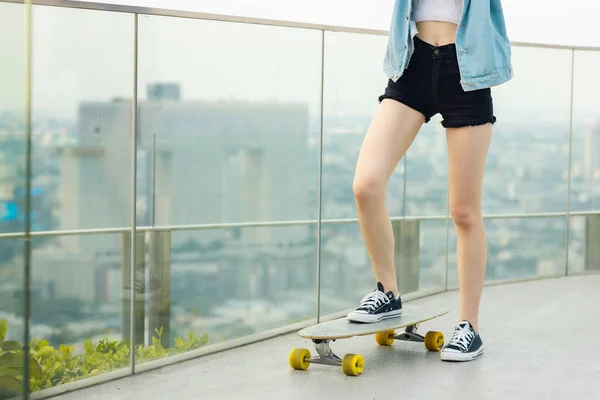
(11, 365)
(156, 350)
(193, 342)
(51, 367)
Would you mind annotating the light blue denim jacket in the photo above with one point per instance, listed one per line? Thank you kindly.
(482, 45)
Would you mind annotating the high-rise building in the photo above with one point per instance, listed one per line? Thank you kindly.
(163, 91)
(209, 163)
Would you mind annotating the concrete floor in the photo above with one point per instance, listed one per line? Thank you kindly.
(541, 342)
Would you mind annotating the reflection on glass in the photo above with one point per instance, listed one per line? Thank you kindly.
(232, 139)
(518, 248)
(352, 84)
(585, 164)
(81, 119)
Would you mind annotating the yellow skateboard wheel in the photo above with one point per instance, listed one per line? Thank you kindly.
(298, 359)
(385, 338)
(434, 341)
(353, 364)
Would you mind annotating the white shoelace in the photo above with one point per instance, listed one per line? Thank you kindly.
(462, 337)
(373, 300)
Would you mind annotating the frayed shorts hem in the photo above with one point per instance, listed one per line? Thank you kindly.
(464, 124)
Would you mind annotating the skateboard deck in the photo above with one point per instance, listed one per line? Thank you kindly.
(384, 331)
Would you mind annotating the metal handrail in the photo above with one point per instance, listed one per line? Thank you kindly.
(163, 12)
(275, 224)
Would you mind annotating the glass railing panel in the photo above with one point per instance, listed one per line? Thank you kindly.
(80, 308)
(229, 131)
(82, 112)
(241, 114)
(81, 179)
(527, 165)
(14, 39)
(584, 233)
(585, 154)
(243, 282)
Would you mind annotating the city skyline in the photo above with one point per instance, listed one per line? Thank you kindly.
(76, 64)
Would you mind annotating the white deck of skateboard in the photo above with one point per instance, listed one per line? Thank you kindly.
(342, 328)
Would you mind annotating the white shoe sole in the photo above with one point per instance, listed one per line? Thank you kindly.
(370, 318)
(456, 356)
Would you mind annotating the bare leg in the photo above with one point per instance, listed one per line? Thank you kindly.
(467, 153)
(392, 131)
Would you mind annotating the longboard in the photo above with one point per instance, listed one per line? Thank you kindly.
(384, 331)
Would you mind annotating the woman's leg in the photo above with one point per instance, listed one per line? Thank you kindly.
(467, 153)
(393, 129)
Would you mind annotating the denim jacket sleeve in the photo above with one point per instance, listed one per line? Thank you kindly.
(482, 44)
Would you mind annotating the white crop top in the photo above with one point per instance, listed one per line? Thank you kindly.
(437, 10)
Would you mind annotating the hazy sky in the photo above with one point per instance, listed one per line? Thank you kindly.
(82, 55)
(544, 21)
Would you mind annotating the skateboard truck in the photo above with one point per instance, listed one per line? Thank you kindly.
(326, 355)
(410, 335)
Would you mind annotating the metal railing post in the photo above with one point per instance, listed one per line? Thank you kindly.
(28, 178)
(136, 328)
(568, 204)
(133, 313)
(320, 181)
(407, 254)
(592, 243)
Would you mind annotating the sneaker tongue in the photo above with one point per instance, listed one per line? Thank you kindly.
(389, 295)
(465, 324)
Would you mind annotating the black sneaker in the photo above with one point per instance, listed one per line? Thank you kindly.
(465, 344)
(376, 306)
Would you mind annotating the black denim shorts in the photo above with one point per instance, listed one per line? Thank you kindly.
(431, 84)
